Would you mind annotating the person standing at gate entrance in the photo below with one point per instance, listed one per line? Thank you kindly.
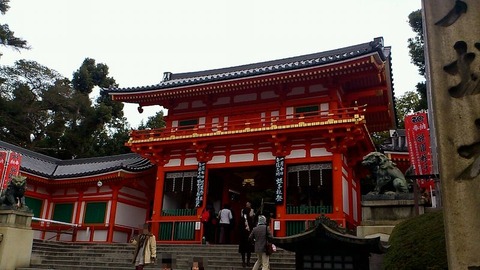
(225, 218)
(145, 248)
(246, 224)
(260, 234)
(207, 217)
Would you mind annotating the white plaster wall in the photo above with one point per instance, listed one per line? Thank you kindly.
(346, 205)
(241, 157)
(317, 88)
(297, 91)
(100, 235)
(201, 122)
(290, 112)
(222, 101)
(52, 236)
(198, 104)
(82, 210)
(299, 153)
(319, 152)
(42, 190)
(190, 161)
(173, 163)
(129, 215)
(182, 105)
(83, 235)
(66, 237)
(218, 159)
(107, 213)
(268, 95)
(324, 107)
(266, 156)
(244, 98)
(120, 237)
(355, 204)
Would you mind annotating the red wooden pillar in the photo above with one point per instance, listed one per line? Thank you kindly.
(337, 187)
(158, 199)
(113, 212)
(78, 211)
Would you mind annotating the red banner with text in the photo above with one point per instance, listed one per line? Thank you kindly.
(418, 138)
(10, 167)
(3, 167)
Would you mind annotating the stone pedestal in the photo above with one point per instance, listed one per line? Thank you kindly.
(17, 234)
(380, 214)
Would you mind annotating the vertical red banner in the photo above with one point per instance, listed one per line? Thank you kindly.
(418, 137)
(13, 167)
(3, 164)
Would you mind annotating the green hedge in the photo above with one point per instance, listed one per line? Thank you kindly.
(418, 243)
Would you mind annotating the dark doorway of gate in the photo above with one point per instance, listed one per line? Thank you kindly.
(235, 186)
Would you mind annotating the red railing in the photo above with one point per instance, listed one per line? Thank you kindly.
(313, 118)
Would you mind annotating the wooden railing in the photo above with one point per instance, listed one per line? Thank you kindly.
(305, 209)
(314, 118)
(57, 227)
(179, 212)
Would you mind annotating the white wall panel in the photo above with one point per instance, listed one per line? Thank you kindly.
(241, 157)
(100, 235)
(218, 159)
(299, 153)
(346, 204)
(129, 215)
(173, 163)
(190, 161)
(319, 152)
(266, 156)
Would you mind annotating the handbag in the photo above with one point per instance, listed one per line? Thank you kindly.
(269, 247)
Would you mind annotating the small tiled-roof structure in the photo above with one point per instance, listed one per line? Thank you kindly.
(326, 244)
(327, 236)
(57, 169)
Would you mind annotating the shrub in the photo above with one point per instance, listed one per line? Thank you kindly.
(418, 243)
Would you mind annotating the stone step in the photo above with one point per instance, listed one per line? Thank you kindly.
(96, 256)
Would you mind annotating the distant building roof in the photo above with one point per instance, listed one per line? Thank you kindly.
(53, 168)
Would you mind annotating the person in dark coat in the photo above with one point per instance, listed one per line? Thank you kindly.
(260, 234)
(246, 224)
(208, 226)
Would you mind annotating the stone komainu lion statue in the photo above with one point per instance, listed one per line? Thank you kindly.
(388, 178)
(13, 195)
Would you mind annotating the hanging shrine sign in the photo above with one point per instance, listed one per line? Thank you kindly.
(279, 173)
(9, 167)
(200, 183)
(418, 137)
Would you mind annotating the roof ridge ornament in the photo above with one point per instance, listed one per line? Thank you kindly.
(167, 76)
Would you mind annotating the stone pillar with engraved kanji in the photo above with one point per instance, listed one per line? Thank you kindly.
(452, 39)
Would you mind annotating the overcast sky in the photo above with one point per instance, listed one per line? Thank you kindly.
(139, 40)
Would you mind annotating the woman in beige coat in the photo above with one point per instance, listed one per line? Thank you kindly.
(145, 249)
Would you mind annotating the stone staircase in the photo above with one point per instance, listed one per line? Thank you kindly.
(96, 256)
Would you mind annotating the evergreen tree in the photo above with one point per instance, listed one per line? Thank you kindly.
(7, 36)
(416, 46)
(45, 112)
